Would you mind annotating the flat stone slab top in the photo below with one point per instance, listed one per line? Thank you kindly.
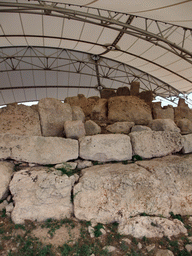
(149, 144)
(37, 149)
(106, 147)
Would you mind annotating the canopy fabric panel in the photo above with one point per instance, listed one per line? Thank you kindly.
(62, 48)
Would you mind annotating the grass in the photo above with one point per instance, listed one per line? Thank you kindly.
(19, 240)
(69, 172)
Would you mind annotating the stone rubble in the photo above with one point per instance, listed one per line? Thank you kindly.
(120, 127)
(91, 128)
(149, 227)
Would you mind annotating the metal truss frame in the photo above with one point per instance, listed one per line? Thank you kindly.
(112, 20)
(121, 22)
(91, 65)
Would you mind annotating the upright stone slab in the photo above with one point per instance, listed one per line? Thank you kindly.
(38, 149)
(99, 111)
(19, 120)
(187, 143)
(149, 144)
(6, 171)
(40, 194)
(114, 192)
(53, 113)
(78, 113)
(166, 112)
(129, 108)
(106, 147)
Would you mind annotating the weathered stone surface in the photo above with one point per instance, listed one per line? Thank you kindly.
(189, 247)
(123, 91)
(67, 166)
(77, 113)
(53, 113)
(129, 108)
(156, 187)
(99, 111)
(106, 147)
(74, 129)
(161, 252)
(167, 112)
(6, 171)
(147, 96)
(3, 205)
(149, 144)
(120, 127)
(108, 93)
(20, 120)
(183, 112)
(81, 101)
(81, 164)
(185, 125)
(163, 125)
(37, 149)
(140, 128)
(187, 143)
(150, 227)
(134, 89)
(40, 193)
(91, 128)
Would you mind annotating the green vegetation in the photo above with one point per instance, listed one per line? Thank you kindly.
(176, 216)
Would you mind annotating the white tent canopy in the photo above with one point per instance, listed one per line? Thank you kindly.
(62, 48)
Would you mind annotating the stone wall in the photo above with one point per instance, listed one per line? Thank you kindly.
(111, 159)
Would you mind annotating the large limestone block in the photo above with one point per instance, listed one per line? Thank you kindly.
(86, 104)
(40, 194)
(107, 93)
(129, 108)
(37, 149)
(163, 125)
(99, 111)
(183, 112)
(53, 113)
(20, 120)
(185, 125)
(78, 113)
(149, 144)
(187, 143)
(106, 147)
(6, 171)
(156, 187)
(151, 227)
(166, 112)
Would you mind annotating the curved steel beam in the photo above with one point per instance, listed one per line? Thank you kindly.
(112, 21)
(79, 65)
(83, 41)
